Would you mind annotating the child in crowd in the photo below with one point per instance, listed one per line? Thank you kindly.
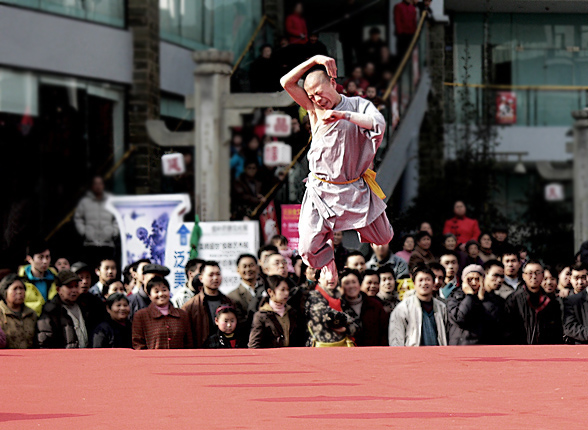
(228, 334)
(281, 242)
(275, 322)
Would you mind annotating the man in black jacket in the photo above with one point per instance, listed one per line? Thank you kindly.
(576, 308)
(533, 317)
(62, 324)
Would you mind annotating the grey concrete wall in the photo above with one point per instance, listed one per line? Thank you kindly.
(44, 42)
(176, 69)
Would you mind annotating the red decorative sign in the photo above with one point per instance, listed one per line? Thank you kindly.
(290, 216)
(506, 107)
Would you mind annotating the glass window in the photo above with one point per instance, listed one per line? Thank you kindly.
(526, 49)
(200, 24)
(57, 132)
(110, 12)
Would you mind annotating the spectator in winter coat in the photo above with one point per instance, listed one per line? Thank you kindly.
(370, 50)
(17, 321)
(182, 295)
(576, 308)
(370, 283)
(579, 277)
(387, 295)
(201, 308)
(248, 270)
(357, 77)
(449, 261)
(92, 307)
(160, 325)
(486, 253)
(564, 275)
(383, 256)
(39, 276)
(422, 252)
(228, 334)
(532, 317)
(296, 25)
(467, 319)
(274, 324)
(264, 73)
(116, 330)
(106, 271)
(512, 265)
(356, 260)
(366, 310)
(141, 299)
(420, 319)
(407, 248)
(62, 324)
(493, 304)
(461, 226)
(95, 224)
(328, 325)
(405, 24)
(247, 190)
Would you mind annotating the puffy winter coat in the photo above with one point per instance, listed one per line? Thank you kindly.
(527, 326)
(463, 229)
(94, 223)
(55, 328)
(19, 330)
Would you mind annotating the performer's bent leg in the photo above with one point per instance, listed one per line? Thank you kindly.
(314, 245)
(379, 232)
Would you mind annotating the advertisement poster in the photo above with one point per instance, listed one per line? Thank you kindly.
(269, 222)
(506, 107)
(290, 216)
(146, 222)
(222, 242)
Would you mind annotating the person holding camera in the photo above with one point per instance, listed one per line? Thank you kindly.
(328, 325)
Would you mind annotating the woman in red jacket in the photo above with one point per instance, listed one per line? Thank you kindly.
(464, 228)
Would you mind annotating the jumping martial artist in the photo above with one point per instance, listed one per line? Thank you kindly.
(341, 191)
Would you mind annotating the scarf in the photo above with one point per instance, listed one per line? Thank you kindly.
(544, 300)
(355, 304)
(333, 302)
(279, 308)
(164, 309)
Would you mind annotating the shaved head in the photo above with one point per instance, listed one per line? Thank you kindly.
(316, 76)
(320, 89)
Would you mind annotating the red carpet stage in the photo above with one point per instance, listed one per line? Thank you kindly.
(328, 388)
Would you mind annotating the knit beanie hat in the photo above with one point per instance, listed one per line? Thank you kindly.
(473, 268)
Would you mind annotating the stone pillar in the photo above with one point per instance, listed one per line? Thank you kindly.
(212, 161)
(143, 103)
(431, 142)
(580, 177)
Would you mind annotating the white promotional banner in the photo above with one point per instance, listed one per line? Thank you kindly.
(146, 223)
(222, 242)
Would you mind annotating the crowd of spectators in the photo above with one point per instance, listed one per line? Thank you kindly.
(468, 287)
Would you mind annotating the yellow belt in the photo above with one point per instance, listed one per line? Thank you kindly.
(369, 177)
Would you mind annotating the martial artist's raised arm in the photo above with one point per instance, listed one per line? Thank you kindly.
(362, 120)
(290, 80)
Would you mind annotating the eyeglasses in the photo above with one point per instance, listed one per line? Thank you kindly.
(537, 273)
(280, 263)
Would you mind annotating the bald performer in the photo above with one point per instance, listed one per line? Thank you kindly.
(341, 192)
